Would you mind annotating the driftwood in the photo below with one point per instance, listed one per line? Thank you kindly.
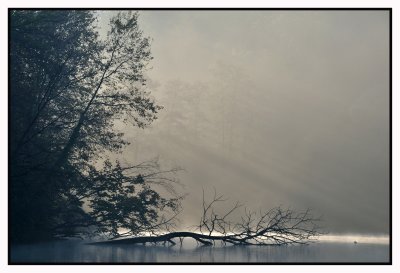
(277, 226)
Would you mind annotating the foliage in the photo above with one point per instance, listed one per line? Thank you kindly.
(68, 86)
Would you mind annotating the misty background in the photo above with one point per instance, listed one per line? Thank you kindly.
(272, 108)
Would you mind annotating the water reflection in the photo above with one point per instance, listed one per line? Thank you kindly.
(80, 252)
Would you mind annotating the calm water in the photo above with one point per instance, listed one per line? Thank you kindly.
(79, 252)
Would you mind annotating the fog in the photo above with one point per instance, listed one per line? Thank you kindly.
(272, 108)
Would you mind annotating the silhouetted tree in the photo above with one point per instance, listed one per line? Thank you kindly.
(68, 87)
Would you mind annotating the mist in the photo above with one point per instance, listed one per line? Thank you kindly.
(272, 108)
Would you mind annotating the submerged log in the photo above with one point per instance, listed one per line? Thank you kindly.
(201, 238)
(204, 239)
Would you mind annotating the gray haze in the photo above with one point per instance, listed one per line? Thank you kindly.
(273, 108)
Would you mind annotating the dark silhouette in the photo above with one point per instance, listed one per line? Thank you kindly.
(68, 86)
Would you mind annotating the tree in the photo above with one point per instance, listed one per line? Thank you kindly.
(277, 226)
(68, 87)
(46, 52)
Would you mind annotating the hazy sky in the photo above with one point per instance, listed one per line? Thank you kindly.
(273, 108)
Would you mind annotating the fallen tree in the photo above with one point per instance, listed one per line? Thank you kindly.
(277, 226)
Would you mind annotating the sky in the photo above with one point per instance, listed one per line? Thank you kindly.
(272, 108)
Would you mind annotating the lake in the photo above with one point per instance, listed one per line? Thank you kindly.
(81, 252)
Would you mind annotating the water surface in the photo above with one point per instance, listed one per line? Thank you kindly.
(80, 252)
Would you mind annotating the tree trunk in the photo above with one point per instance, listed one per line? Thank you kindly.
(75, 133)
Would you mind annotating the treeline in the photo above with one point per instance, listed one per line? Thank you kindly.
(67, 87)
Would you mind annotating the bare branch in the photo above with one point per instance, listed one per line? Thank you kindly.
(276, 226)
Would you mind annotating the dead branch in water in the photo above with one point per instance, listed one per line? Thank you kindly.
(277, 226)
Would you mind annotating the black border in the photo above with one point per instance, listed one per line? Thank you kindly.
(219, 263)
